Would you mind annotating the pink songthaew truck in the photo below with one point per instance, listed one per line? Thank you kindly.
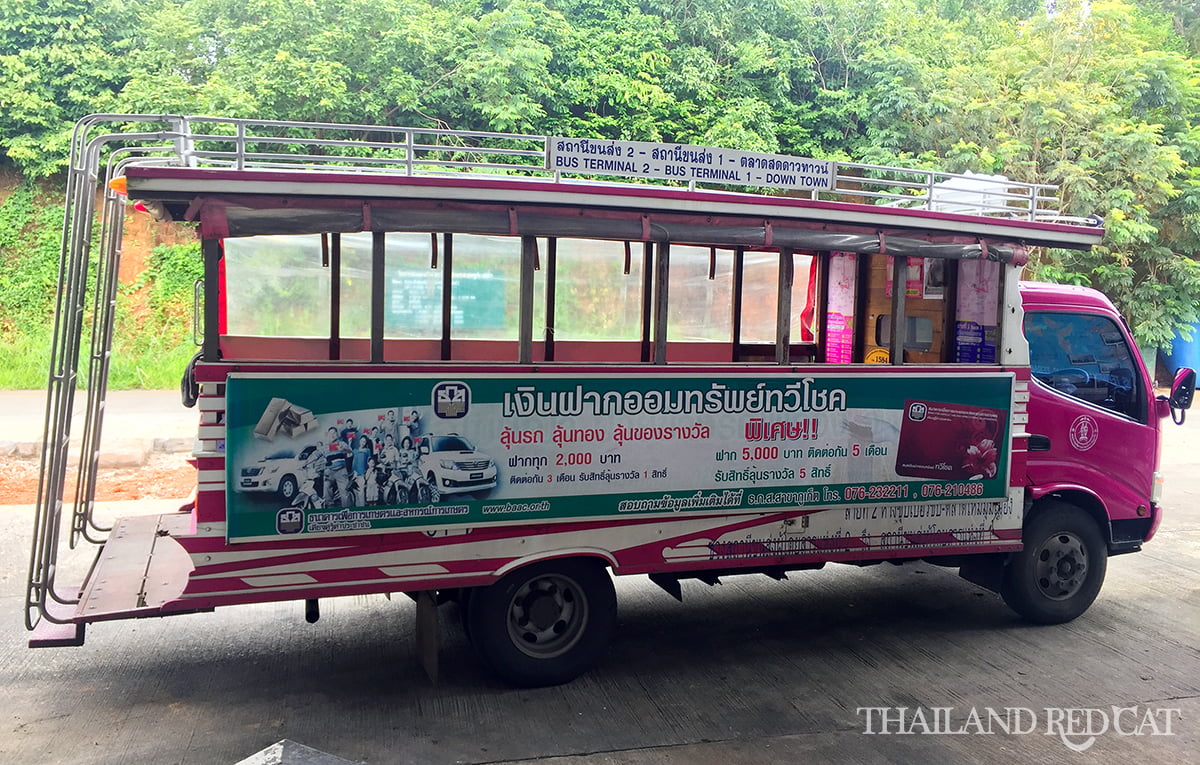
(497, 370)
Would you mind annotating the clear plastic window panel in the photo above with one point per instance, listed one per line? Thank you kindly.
(275, 286)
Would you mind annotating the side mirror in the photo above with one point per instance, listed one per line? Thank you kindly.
(1182, 391)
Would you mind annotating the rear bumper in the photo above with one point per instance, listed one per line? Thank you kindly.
(1155, 519)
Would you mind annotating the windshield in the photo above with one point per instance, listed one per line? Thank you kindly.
(452, 444)
(1085, 356)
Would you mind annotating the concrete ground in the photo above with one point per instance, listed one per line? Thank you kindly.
(752, 671)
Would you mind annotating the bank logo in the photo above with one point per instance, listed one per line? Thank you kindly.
(289, 520)
(451, 400)
(917, 412)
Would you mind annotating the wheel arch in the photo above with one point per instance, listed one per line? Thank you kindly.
(1079, 497)
(584, 553)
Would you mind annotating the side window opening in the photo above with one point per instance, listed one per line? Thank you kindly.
(1085, 356)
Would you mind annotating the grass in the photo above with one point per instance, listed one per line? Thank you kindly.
(143, 361)
(149, 361)
(25, 361)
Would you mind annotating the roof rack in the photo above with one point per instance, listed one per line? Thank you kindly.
(249, 144)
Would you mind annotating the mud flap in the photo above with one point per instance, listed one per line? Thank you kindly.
(987, 571)
(427, 634)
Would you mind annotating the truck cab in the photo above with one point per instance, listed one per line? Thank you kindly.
(1094, 435)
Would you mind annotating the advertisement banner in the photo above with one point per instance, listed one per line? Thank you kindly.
(319, 454)
(976, 330)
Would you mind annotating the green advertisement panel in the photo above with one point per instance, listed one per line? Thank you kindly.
(317, 454)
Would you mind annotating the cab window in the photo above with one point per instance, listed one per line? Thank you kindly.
(1087, 357)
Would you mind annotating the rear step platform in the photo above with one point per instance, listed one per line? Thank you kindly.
(48, 634)
(139, 569)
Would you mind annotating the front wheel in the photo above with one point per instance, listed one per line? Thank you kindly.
(544, 624)
(1060, 571)
(288, 488)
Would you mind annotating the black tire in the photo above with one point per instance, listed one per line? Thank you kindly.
(1059, 573)
(543, 624)
(418, 494)
(288, 488)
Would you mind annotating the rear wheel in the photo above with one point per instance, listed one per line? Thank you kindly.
(1060, 571)
(543, 624)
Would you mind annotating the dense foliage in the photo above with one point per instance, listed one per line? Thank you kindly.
(1100, 98)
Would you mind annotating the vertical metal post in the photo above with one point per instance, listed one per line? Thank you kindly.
(820, 262)
(647, 297)
(899, 322)
(378, 254)
(525, 322)
(211, 252)
(739, 262)
(186, 144)
(447, 292)
(240, 149)
(950, 309)
(662, 280)
(862, 278)
(335, 297)
(551, 277)
(783, 307)
(1002, 304)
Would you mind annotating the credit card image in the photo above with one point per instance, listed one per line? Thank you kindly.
(950, 442)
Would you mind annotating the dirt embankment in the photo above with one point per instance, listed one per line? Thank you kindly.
(164, 476)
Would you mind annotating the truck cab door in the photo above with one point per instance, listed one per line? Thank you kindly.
(1089, 411)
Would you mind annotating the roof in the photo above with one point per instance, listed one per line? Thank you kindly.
(330, 189)
(1046, 295)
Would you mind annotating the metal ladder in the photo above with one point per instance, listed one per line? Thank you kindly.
(80, 277)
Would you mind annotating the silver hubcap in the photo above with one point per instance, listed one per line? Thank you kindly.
(547, 615)
(1061, 566)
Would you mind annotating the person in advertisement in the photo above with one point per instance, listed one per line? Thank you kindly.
(360, 456)
(349, 433)
(391, 427)
(337, 467)
(371, 481)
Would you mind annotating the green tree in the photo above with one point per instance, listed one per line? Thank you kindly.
(1095, 99)
(59, 60)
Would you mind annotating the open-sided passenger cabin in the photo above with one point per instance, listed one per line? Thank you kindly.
(334, 265)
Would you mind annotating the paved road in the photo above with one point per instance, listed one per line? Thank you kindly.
(752, 671)
(136, 422)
